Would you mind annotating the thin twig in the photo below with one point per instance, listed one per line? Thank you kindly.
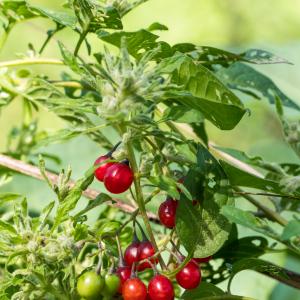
(269, 212)
(33, 171)
(268, 195)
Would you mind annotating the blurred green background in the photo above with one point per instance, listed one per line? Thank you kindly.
(235, 25)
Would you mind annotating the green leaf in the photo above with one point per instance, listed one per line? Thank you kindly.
(4, 226)
(20, 9)
(61, 17)
(246, 79)
(100, 199)
(257, 265)
(204, 290)
(204, 230)
(71, 200)
(8, 197)
(182, 114)
(166, 184)
(211, 55)
(135, 41)
(45, 214)
(239, 177)
(69, 59)
(250, 246)
(241, 156)
(157, 26)
(248, 220)
(208, 95)
(292, 229)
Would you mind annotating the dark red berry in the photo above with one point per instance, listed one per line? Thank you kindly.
(160, 288)
(132, 253)
(146, 250)
(118, 178)
(124, 274)
(101, 170)
(167, 212)
(134, 289)
(190, 276)
(202, 260)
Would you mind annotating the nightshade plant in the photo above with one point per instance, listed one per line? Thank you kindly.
(156, 98)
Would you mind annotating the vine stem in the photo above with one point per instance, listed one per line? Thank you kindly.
(33, 171)
(31, 61)
(140, 198)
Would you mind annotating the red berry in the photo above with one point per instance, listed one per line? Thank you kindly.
(167, 213)
(190, 276)
(134, 289)
(160, 288)
(100, 172)
(132, 253)
(202, 260)
(124, 274)
(146, 250)
(118, 178)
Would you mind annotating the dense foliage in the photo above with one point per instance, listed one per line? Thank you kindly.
(146, 103)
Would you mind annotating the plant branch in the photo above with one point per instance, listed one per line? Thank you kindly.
(33, 171)
(273, 215)
(30, 61)
(268, 195)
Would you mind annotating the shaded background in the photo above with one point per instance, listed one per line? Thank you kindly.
(234, 25)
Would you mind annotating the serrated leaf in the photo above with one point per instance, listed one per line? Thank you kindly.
(208, 95)
(246, 79)
(205, 289)
(292, 229)
(204, 230)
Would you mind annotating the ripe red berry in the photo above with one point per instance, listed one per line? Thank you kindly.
(202, 260)
(160, 288)
(134, 289)
(124, 274)
(101, 170)
(118, 178)
(132, 253)
(167, 212)
(190, 276)
(146, 250)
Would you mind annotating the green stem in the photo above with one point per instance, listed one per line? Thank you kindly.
(81, 39)
(140, 197)
(140, 200)
(30, 61)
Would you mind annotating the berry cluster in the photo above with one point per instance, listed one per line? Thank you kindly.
(140, 254)
(116, 176)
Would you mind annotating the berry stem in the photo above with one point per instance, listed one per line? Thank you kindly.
(140, 198)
